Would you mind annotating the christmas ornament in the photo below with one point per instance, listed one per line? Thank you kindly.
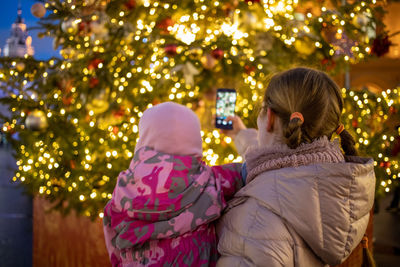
(208, 61)
(72, 164)
(381, 45)
(93, 82)
(115, 130)
(83, 27)
(170, 50)
(118, 114)
(249, 69)
(328, 64)
(164, 24)
(305, 46)
(65, 85)
(67, 100)
(69, 26)
(354, 123)
(130, 4)
(156, 101)
(36, 121)
(38, 10)
(94, 64)
(188, 70)
(217, 54)
(20, 66)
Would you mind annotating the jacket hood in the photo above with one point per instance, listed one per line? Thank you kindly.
(170, 128)
(327, 204)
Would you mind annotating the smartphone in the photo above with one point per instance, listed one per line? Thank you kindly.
(225, 107)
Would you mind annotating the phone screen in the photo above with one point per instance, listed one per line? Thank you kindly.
(225, 107)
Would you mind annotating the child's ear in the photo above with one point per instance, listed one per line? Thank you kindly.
(270, 120)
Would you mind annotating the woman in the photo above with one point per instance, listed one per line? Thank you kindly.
(304, 203)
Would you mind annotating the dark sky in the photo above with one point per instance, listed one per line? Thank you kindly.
(43, 47)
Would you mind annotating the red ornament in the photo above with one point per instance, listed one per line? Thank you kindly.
(93, 82)
(354, 123)
(83, 27)
(130, 4)
(72, 164)
(385, 164)
(118, 113)
(380, 46)
(65, 85)
(170, 50)
(67, 100)
(164, 24)
(392, 110)
(94, 64)
(115, 129)
(249, 69)
(328, 64)
(217, 54)
(156, 101)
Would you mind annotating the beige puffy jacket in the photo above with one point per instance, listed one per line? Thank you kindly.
(298, 216)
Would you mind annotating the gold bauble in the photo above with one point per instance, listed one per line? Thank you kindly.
(36, 121)
(20, 66)
(304, 47)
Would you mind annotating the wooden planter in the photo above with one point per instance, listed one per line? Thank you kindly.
(69, 241)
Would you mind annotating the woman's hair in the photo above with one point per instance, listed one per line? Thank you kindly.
(317, 97)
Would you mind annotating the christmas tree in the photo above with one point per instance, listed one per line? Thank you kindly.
(74, 122)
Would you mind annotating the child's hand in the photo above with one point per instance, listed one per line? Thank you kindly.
(237, 124)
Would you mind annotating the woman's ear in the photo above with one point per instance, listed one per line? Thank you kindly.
(270, 120)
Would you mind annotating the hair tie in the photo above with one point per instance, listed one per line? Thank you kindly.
(297, 115)
(340, 129)
(364, 242)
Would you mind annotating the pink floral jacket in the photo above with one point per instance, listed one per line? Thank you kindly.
(162, 209)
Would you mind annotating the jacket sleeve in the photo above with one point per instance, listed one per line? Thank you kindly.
(230, 178)
(245, 139)
(109, 236)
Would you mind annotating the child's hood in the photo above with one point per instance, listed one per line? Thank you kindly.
(163, 196)
(327, 204)
(170, 128)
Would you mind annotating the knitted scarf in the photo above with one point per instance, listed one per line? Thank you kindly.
(261, 159)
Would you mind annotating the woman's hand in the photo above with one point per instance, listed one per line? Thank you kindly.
(237, 124)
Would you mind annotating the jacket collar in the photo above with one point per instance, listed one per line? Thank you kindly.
(261, 159)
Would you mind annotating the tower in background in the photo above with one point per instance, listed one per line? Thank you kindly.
(19, 43)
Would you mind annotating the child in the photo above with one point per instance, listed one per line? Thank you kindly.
(304, 203)
(162, 207)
